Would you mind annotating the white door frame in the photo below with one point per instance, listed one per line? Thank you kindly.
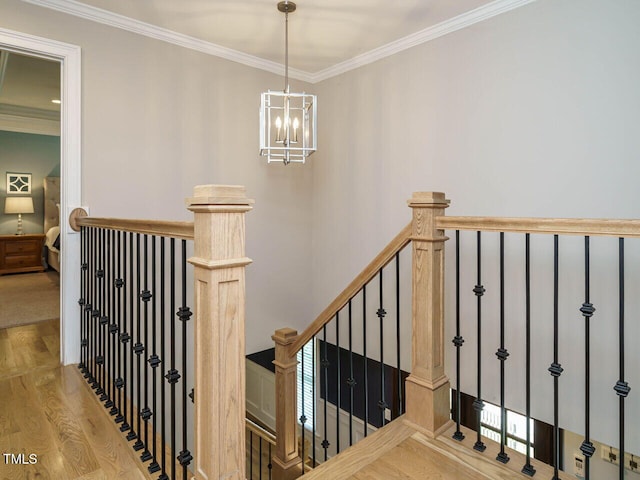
(69, 57)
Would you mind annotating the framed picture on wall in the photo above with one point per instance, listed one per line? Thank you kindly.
(18, 183)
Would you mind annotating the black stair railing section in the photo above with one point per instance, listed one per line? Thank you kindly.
(528, 469)
(479, 291)
(259, 452)
(556, 368)
(364, 393)
(621, 387)
(587, 312)
(125, 328)
(502, 355)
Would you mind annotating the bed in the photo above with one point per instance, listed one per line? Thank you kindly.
(52, 221)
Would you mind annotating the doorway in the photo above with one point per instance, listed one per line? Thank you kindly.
(69, 59)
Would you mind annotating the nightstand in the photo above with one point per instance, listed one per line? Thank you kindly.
(21, 253)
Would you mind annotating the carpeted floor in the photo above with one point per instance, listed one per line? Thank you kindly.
(29, 298)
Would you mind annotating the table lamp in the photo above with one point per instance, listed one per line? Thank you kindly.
(18, 205)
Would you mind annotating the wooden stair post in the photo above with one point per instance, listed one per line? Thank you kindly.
(219, 270)
(427, 388)
(287, 464)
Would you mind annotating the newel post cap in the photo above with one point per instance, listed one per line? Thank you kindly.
(219, 195)
(428, 200)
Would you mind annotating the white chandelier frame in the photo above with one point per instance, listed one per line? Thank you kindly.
(282, 113)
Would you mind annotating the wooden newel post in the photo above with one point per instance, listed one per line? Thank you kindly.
(287, 464)
(427, 388)
(219, 269)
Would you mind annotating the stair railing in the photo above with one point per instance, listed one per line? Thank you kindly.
(424, 400)
(260, 447)
(136, 343)
(577, 273)
(427, 395)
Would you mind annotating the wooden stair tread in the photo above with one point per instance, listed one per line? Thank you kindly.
(400, 451)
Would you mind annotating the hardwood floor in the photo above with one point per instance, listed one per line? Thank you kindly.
(399, 451)
(29, 347)
(49, 411)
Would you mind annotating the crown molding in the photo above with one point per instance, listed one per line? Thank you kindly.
(98, 15)
(454, 24)
(78, 9)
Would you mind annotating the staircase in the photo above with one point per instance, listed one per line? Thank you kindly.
(425, 442)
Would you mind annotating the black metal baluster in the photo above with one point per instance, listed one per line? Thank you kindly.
(458, 341)
(172, 375)
(502, 355)
(621, 387)
(555, 369)
(351, 381)
(251, 455)
(154, 360)
(138, 348)
(119, 283)
(338, 365)
(478, 404)
(366, 360)
(125, 336)
(587, 310)
(95, 313)
(400, 397)
(185, 314)
(382, 404)
(528, 469)
(163, 411)
(86, 308)
(108, 285)
(303, 417)
(325, 370)
(270, 465)
(260, 459)
(313, 406)
(132, 380)
(145, 296)
(102, 319)
(113, 326)
(82, 300)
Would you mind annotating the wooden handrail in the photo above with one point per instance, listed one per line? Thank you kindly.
(261, 432)
(182, 230)
(370, 271)
(556, 226)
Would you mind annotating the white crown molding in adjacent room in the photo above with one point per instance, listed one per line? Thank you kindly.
(38, 126)
(73, 7)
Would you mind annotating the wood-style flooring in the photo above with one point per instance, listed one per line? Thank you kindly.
(401, 452)
(49, 411)
(29, 347)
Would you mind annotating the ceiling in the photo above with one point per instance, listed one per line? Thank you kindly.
(322, 33)
(27, 87)
(326, 37)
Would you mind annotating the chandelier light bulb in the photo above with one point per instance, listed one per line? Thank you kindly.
(295, 130)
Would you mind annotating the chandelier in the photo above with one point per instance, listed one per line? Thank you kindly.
(288, 127)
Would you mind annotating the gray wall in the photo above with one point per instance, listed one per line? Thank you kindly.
(535, 112)
(38, 155)
(159, 119)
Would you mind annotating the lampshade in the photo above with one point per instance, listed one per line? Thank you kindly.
(18, 205)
